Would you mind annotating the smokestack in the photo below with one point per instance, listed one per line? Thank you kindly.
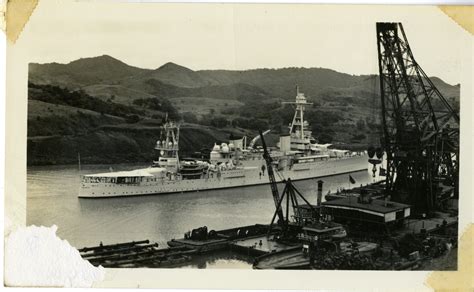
(320, 192)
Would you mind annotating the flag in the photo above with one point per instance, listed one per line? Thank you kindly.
(352, 180)
(383, 172)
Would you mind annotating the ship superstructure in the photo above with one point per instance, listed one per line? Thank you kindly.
(234, 164)
(168, 148)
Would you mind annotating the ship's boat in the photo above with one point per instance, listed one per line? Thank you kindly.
(231, 164)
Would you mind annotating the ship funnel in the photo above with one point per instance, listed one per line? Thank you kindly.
(320, 192)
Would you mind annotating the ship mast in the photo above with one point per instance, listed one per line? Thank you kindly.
(298, 127)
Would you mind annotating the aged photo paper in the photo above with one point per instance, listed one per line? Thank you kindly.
(238, 146)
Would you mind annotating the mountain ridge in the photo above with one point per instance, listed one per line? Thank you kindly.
(279, 82)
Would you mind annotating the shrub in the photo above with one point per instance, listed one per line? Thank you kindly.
(325, 138)
(132, 119)
(219, 122)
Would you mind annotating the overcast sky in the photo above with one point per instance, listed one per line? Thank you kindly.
(225, 36)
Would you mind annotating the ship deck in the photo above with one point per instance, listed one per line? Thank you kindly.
(252, 245)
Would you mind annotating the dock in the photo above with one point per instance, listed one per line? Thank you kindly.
(271, 252)
(135, 254)
(217, 240)
(200, 245)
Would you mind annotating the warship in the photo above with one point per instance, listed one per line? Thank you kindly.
(237, 163)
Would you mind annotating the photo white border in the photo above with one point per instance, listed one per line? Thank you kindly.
(246, 279)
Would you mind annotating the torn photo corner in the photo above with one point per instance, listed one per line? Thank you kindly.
(237, 145)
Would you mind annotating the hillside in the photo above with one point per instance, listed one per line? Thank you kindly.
(121, 143)
(118, 104)
(63, 123)
(173, 74)
(281, 82)
(172, 80)
(83, 72)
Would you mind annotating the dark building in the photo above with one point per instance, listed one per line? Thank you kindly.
(371, 213)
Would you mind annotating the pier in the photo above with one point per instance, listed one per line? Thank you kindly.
(269, 252)
(135, 254)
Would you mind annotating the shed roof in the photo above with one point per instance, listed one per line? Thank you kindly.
(379, 206)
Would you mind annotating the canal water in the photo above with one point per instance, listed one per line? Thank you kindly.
(52, 199)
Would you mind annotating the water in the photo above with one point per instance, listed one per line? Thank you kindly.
(52, 199)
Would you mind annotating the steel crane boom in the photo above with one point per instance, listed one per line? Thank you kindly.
(421, 129)
(271, 177)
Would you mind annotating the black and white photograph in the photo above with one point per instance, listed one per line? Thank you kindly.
(241, 136)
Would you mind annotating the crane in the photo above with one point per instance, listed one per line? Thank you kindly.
(271, 177)
(420, 128)
(289, 191)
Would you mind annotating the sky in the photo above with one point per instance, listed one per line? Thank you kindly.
(240, 36)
